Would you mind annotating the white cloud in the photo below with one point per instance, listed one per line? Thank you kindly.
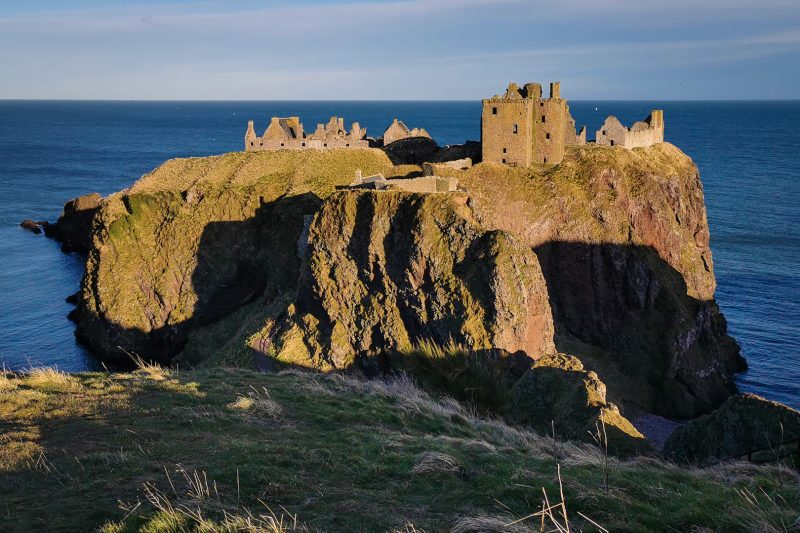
(395, 49)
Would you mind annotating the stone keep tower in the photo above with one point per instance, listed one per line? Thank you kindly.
(521, 128)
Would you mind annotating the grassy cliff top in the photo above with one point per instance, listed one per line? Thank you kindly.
(233, 450)
(309, 170)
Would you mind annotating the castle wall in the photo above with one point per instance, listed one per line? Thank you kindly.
(507, 131)
(611, 133)
(289, 134)
(397, 130)
(549, 125)
(640, 135)
(522, 128)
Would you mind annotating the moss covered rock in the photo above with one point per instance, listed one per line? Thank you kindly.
(386, 270)
(558, 394)
(746, 426)
(200, 238)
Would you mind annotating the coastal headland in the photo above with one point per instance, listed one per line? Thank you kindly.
(330, 332)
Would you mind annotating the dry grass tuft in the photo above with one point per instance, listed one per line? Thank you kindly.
(152, 370)
(257, 402)
(766, 514)
(436, 463)
(8, 381)
(487, 524)
(198, 506)
(51, 380)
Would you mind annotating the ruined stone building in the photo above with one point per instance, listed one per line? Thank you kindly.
(521, 127)
(288, 133)
(643, 133)
(423, 184)
(397, 131)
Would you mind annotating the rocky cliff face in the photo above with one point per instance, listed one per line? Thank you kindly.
(198, 239)
(387, 270)
(622, 237)
(606, 254)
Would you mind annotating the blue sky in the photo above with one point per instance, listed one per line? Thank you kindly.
(398, 49)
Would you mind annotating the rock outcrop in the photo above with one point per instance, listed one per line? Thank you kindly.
(32, 226)
(623, 239)
(419, 150)
(745, 427)
(219, 255)
(198, 239)
(387, 270)
(558, 395)
(73, 229)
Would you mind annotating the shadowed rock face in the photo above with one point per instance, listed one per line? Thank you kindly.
(623, 239)
(74, 227)
(385, 270)
(198, 239)
(744, 424)
(558, 395)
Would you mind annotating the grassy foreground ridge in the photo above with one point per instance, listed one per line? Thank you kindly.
(236, 450)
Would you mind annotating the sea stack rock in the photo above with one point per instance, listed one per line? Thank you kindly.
(31, 225)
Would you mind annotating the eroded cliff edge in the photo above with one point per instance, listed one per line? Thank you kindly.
(604, 256)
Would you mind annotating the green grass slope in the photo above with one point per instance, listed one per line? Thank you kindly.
(233, 450)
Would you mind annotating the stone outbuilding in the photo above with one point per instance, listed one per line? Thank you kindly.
(397, 130)
(423, 184)
(643, 133)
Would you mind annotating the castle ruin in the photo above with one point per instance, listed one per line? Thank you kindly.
(643, 133)
(288, 133)
(521, 128)
(397, 130)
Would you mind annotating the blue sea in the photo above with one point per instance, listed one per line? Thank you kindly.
(53, 151)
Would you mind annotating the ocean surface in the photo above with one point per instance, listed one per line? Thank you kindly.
(53, 151)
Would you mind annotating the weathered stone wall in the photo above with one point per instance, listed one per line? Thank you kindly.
(397, 130)
(550, 117)
(521, 127)
(640, 135)
(289, 134)
(507, 131)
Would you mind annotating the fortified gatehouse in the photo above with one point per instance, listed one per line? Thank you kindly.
(288, 133)
(521, 128)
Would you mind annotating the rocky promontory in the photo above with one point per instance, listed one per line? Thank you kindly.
(227, 259)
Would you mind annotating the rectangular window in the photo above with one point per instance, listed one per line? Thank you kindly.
(504, 161)
(543, 119)
(494, 111)
(504, 150)
(545, 160)
(516, 128)
(546, 135)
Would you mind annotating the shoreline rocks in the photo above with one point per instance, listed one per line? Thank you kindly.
(32, 226)
(746, 426)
